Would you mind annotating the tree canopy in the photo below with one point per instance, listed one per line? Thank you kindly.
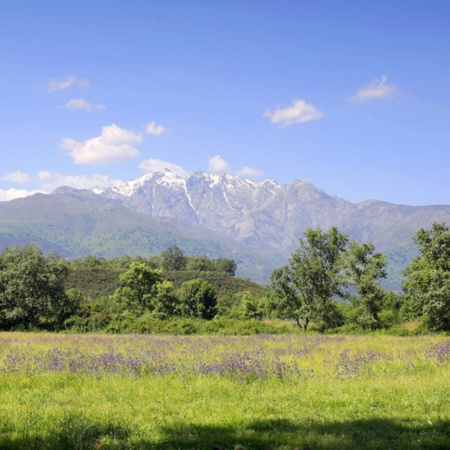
(313, 276)
(197, 299)
(323, 268)
(365, 268)
(32, 287)
(427, 277)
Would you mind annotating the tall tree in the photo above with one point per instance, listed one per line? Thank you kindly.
(226, 265)
(173, 259)
(296, 299)
(197, 299)
(427, 277)
(365, 268)
(139, 286)
(32, 286)
(313, 277)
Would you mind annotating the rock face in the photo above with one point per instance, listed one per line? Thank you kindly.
(264, 214)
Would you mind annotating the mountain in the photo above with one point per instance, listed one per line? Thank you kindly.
(265, 214)
(76, 223)
(256, 223)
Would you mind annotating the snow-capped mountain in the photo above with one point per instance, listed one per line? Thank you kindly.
(267, 215)
(256, 223)
(219, 202)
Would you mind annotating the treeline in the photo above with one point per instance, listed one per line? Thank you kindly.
(172, 258)
(329, 284)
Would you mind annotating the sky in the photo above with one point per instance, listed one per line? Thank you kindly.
(351, 96)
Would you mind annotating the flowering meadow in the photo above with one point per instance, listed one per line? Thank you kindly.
(224, 392)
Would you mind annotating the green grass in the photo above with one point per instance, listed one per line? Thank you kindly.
(279, 392)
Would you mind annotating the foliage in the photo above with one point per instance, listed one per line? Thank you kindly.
(32, 287)
(136, 294)
(226, 265)
(200, 263)
(197, 299)
(93, 282)
(427, 277)
(307, 285)
(173, 259)
(223, 283)
(139, 287)
(365, 268)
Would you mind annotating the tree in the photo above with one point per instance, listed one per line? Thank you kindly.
(364, 269)
(427, 277)
(164, 303)
(200, 263)
(197, 299)
(226, 265)
(173, 259)
(313, 277)
(139, 286)
(32, 287)
(295, 300)
(251, 307)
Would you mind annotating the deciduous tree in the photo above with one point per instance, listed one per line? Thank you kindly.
(427, 277)
(313, 277)
(197, 299)
(365, 268)
(32, 286)
(173, 259)
(139, 286)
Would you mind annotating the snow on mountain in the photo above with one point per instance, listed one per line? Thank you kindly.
(265, 215)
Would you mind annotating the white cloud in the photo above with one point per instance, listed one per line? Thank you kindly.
(49, 181)
(249, 172)
(66, 83)
(379, 88)
(154, 129)
(52, 180)
(11, 194)
(16, 177)
(217, 164)
(156, 165)
(299, 112)
(81, 103)
(112, 146)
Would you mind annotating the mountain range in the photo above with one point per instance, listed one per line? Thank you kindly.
(256, 223)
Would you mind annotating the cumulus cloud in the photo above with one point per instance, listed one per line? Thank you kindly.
(217, 164)
(16, 177)
(156, 165)
(376, 89)
(66, 83)
(81, 103)
(299, 112)
(11, 194)
(154, 129)
(112, 146)
(52, 180)
(249, 172)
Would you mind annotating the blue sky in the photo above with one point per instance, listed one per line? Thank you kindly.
(352, 96)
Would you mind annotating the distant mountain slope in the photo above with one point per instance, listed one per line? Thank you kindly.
(264, 214)
(76, 223)
(256, 223)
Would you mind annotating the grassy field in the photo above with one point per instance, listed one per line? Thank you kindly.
(224, 392)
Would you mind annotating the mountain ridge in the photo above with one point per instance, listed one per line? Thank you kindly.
(258, 223)
(264, 213)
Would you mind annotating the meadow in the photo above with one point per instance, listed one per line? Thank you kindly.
(61, 391)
